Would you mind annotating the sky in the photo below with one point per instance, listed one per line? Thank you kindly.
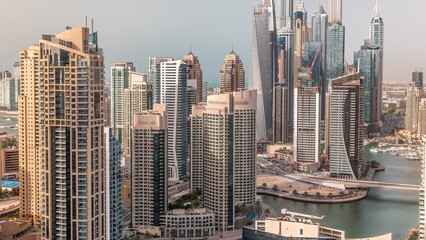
(133, 30)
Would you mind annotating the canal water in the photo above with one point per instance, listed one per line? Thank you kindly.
(383, 211)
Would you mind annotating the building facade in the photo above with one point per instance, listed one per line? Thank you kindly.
(120, 80)
(9, 160)
(71, 126)
(9, 92)
(137, 98)
(422, 197)
(335, 49)
(262, 68)
(195, 72)
(335, 12)
(306, 124)
(114, 213)
(29, 133)
(345, 127)
(154, 75)
(227, 123)
(173, 76)
(149, 167)
(369, 63)
(412, 110)
(377, 27)
(232, 74)
(191, 223)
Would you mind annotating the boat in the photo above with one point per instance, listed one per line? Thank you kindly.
(7, 119)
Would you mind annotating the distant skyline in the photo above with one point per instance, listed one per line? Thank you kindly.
(133, 30)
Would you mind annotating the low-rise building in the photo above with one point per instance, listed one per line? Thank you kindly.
(295, 225)
(9, 163)
(191, 223)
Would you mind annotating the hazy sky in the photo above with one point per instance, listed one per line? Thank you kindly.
(133, 30)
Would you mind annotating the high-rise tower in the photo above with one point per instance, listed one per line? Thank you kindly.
(417, 79)
(120, 80)
(29, 133)
(137, 98)
(377, 27)
(335, 12)
(422, 197)
(262, 71)
(300, 28)
(154, 75)
(173, 93)
(306, 124)
(284, 13)
(369, 63)
(65, 156)
(232, 74)
(149, 166)
(195, 72)
(223, 151)
(345, 126)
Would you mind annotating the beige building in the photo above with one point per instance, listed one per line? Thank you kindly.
(232, 74)
(223, 153)
(422, 117)
(9, 160)
(188, 224)
(137, 98)
(195, 72)
(149, 167)
(62, 165)
(29, 133)
(414, 95)
(297, 227)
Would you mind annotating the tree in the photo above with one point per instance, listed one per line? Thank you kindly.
(264, 185)
(295, 192)
(341, 193)
(330, 195)
(305, 194)
(318, 194)
(275, 188)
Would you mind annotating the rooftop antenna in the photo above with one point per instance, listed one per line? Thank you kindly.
(190, 47)
(85, 21)
(232, 46)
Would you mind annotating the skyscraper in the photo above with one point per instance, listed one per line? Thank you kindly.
(191, 94)
(149, 166)
(63, 162)
(306, 124)
(284, 13)
(29, 133)
(369, 63)
(173, 87)
(113, 186)
(232, 74)
(154, 74)
(137, 98)
(417, 79)
(335, 49)
(284, 88)
(319, 25)
(345, 126)
(281, 117)
(262, 73)
(120, 80)
(377, 27)
(414, 97)
(300, 28)
(226, 150)
(195, 72)
(335, 12)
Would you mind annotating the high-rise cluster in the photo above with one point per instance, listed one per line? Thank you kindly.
(304, 59)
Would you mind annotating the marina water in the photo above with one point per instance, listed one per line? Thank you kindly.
(383, 211)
